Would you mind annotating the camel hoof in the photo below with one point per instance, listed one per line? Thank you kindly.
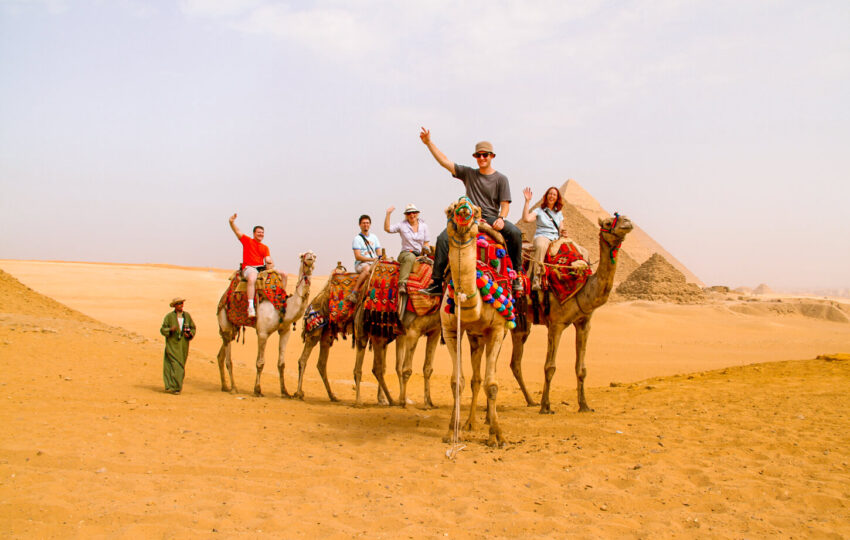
(298, 395)
(496, 441)
(468, 426)
(358, 405)
(429, 405)
(546, 410)
(233, 390)
(285, 394)
(530, 403)
(257, 393)
(334, 399)
(585, 408)
(225, 389)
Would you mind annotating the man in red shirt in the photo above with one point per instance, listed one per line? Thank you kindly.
(255, 259)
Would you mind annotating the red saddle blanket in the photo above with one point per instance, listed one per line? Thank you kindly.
(340, 310)
(380, 306)
(559, 277)
(417, 301)
(270, 287)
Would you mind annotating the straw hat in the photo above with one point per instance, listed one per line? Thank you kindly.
(411, 208)
(176, 301)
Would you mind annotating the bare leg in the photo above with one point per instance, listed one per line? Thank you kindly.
(555, 331)
(582, 331)
(252, 286)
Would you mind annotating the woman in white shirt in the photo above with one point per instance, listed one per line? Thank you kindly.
(414, 240)
(548, 217)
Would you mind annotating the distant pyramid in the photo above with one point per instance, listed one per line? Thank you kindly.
(581, 212)
(657, 279)
(763, 289)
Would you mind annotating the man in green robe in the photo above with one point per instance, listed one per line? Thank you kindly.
(178, 329)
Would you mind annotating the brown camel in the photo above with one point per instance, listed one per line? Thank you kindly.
(575, 311)
(413, 327)
(268, 320)
(481, 322)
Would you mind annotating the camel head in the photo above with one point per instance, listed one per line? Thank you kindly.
(308, 258)
(614, 229)
(463, 217)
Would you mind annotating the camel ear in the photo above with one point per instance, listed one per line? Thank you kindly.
(601, 222)
(477, 213)
(450, 210)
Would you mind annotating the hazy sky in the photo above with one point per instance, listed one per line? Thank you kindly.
(130, 131)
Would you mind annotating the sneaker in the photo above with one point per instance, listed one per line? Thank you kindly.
(517, 285)
(251, 311)
(535, 284)
(352, 297)
(402, 288)
(434, 289)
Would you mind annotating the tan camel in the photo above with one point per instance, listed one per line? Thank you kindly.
(575, 311)
(413, 327)
(268, 320)
(481, 322)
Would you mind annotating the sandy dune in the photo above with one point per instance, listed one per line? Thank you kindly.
(703, 445)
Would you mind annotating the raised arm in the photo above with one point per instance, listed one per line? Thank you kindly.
(528, 217)
(233, 226)
(441, 158)
(387, 219)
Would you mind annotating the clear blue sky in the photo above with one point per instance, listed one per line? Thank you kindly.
(130, 131)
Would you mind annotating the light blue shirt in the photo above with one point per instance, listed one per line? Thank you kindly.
(369, 250)
(545, 225)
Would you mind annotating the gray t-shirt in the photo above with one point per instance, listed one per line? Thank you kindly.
(484, 190)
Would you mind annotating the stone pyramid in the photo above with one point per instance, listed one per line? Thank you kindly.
(581, 212)
(656, 279)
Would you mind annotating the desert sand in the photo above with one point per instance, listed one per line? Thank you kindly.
(711, 420)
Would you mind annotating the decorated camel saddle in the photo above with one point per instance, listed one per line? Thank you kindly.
(566, 269)
(271, 286)
(381, 301)
(494, 276)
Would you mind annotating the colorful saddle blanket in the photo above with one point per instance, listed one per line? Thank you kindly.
(560, 278)
(417, 301)
(380, 306)
(340, 310)
(494, 274)
(270, 286)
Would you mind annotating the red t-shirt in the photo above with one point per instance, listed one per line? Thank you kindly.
(253, 253)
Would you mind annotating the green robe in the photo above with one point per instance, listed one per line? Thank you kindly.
(176, 350)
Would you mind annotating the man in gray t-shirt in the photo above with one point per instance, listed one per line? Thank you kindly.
(487, 188)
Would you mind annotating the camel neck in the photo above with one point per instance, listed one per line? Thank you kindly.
(462, 255)
(599, 285)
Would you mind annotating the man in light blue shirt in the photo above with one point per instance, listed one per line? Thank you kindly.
(367, 249)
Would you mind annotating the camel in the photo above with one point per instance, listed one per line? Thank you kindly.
(575, 311)
(268, 320)
(413, 327)
(482, 323)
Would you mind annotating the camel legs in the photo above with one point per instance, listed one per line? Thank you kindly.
(451, 338)
(283, 339)
(518, 339)
(379, 368)
(582, 331)
(261, 361)
(360, 352)
(405, 346)
(491, 387)
(555, 331)
(224, 361)
(428, 367)
(322, 365)
(476, 351)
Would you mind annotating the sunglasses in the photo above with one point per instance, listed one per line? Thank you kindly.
(482, 154)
